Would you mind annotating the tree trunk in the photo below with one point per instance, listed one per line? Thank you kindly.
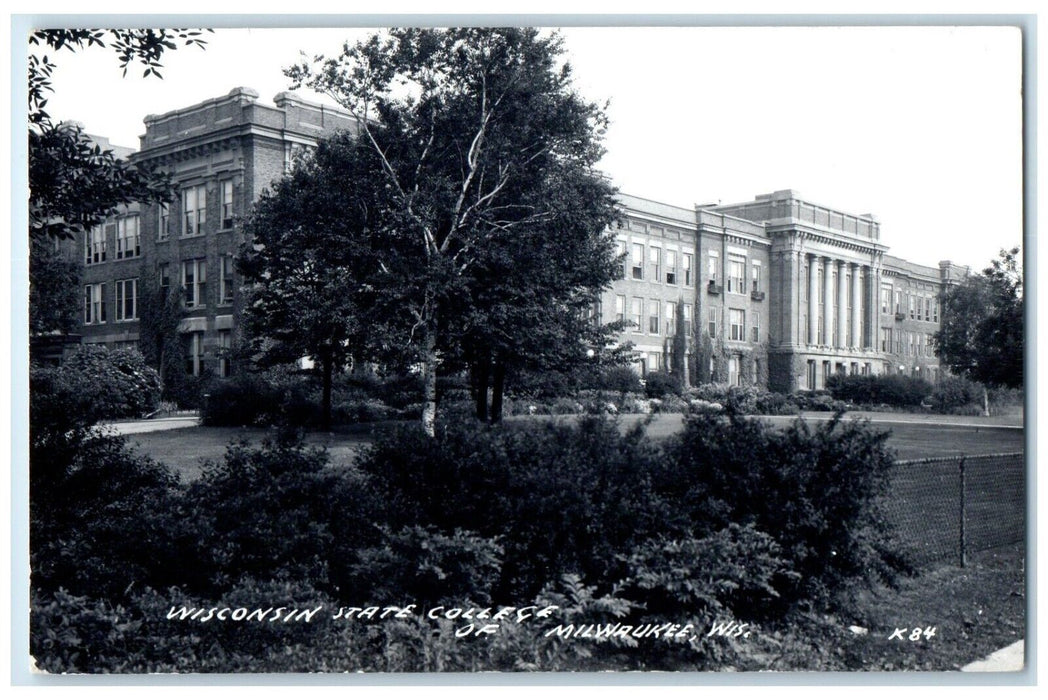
(429, 381)
(497, 386)
(986, 402)
(325, 401)
(481, 379)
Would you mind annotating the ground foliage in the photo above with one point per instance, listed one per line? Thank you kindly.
(613, 527)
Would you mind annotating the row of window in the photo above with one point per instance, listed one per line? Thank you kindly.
(829, 369)
(736, 329)
(669, 266)
(921, 307)
(125, 299)
(658, 323)
(194, 349)
(125, 231)
(194, 211)
(736, 281)
(193, 278)
(193, 281)
(907, 343)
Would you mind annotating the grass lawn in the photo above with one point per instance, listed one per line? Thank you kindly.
(184, 449)
(975, 610)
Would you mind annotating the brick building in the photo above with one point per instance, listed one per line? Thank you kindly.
(220, 154)
(784, 293)
(778, 291)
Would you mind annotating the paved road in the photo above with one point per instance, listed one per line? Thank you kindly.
(153, 424)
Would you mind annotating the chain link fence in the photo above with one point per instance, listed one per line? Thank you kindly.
(945, 508)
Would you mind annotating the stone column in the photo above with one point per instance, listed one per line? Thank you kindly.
(856, 318)
(813, 301)
(875, 308)
(871, 306)
(827, 284)
(842, 306)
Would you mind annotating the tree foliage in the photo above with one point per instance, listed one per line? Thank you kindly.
(981, 336)
(73, 182)
(310, 261)
(482, 158)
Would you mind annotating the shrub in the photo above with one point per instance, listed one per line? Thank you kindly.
(279, 510)
(564, 497)
(816, 490)
(106, 520)
(892, 389)
(117, 383)
(620, 379)
(660, 384)
(953, 393)
(423, 565)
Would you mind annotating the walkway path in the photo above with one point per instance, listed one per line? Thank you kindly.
(152, 424)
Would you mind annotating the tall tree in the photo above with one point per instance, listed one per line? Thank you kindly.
(309, 262)
(469, 127)
(981, 334)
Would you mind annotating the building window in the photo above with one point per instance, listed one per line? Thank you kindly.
(637, 313)
(898, 302)
(671, 318)
(687, 320)
(655, 262)
(620, 252)
(671, 267)
(712, 263)
(713, 322)
(94, 303)
(225, 279)
(653, 316)
(756, 279)
(927, 308)
(226, 187)
(194, 353)
(736, 275)
(935, 311)
(737, 324)
(620, 308)
(886, 299)
(654, 362)
(163, 273)
(687, 268)
(127, 300)
(194, 282)
(886, 339)
(637, 261)
(913, 307)
(163, 221)
(755, 337)
(811, 375)
(95, 244)
(733, 371)
(128, 242)
(194, 209)
(224, 348)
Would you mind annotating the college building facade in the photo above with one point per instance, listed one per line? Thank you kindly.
(778, 292)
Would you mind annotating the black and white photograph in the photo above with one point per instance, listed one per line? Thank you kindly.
(454, 347)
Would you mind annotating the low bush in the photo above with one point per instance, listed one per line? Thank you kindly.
(620, 379)
(816, 489)
(107, 384)
(661, 384)
(953, 393)
(871, 389)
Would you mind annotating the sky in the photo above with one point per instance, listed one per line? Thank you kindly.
(920, 126)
